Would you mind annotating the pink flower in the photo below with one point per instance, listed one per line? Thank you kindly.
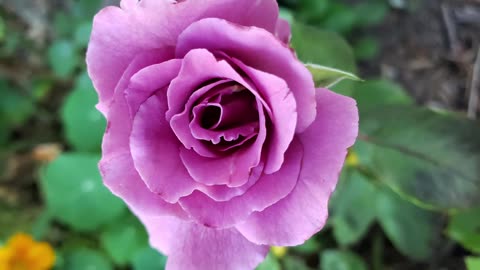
(217, 138)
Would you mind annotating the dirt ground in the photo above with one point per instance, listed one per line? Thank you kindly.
(431, 52)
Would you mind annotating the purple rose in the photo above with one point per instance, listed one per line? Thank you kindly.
(217, 138)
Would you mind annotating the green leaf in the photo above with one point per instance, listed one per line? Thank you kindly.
(75, 194)
(340, 18)
(123, 238)
(85, 10)
(286, 14)
(464, 227)
(294, 263)
(270, 263)
(366, 48)
(84, 125)
(41, 225)
(309, 247)
(326, 77)
(376, 10)
(313, 11)
(82, 34)
(341, 260)
(324, 48)
(63, 58)
(473, 263)
(63, 24)
(353, 207)
(15, 108)
(372, 94)
(149, 259)
(412, 230)
(428, 157)
(83, 258)
(3, 29)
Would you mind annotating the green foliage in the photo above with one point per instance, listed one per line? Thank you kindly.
(353, 207)
(75, 194)
(342, 16)
(414, 231)
(148, 259)
(366, 48)
(123, 238)
(309, 247)
(372, 94)
(3, 29)
(341, 260)
(324, 48)
(82, 34)
(464, 227)
(15, 109)
(84, 125)
(63, 58)
(83, 258)
(473, 263)
(429, 157)
(327, 77)
(270, 263)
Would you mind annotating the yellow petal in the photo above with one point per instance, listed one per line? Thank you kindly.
(20, 243)
(352, 159)
(279, 252)
(5, 258)
(41, 256)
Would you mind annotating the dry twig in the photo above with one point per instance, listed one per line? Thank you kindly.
(474, 89)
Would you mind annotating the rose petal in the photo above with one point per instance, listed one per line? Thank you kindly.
(119, 34)
(114, 43)
(193, 75)
(259, 49)
(120, 176)
(283, 31)
(233, 170)
(116, 165)
(195, 247)
(180, 123)
(301, 214)
(147, 81)
(283, 117)
(269, 189)
(155, 151)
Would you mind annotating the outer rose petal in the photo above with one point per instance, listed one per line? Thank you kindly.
(155, 151)
(119, 120)
(259, 49)
(118, 35)
(296, 218)
(116, 165)
(195, 247)
(120, 176)
(283, 31)
(269, 189)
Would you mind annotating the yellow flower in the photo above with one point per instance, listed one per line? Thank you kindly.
(22, 253)
(352, 159)
(279, 252)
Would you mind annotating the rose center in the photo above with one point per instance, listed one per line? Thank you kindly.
(228, 110)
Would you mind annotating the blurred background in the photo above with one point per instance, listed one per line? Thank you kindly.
(409, 195)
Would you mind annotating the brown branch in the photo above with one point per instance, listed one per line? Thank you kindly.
(474, 89)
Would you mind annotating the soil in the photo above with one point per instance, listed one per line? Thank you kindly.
(430, 51)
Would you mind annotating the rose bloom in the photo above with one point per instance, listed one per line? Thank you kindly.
(217, 138)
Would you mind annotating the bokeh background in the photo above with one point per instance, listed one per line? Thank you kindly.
(409, 195)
